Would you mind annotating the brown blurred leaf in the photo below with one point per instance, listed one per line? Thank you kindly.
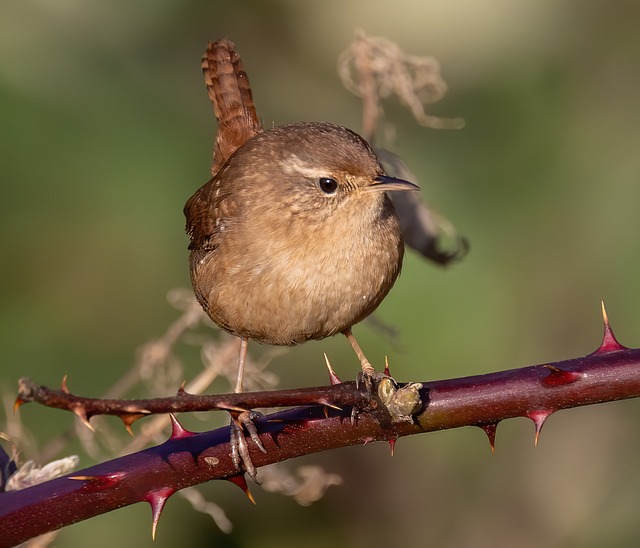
(424, 230)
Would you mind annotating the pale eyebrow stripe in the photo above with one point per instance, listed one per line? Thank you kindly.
(293, 164)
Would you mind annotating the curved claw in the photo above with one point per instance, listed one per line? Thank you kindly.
(371, 380)
(246, 420)
(239, 448)
(376, 384)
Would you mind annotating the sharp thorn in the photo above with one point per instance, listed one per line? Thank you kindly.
(241, 482)
(490, 431)
(392, 444)
(63, 385)
(329, 404)
(538, 418)
(157, 499)
(386, 366)
(250, 497)
(609, 342)
(177, 430)
(333, 378)
(128, 419)
(82, 415)
(17, 404)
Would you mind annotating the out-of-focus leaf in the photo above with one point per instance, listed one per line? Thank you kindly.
(424, 230)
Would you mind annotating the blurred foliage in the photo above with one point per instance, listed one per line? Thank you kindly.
(107, 130)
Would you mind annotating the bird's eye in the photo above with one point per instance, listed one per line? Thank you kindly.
(328, 185)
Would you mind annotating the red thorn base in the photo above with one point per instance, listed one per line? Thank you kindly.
(241, 482)
(177, 430)
(558, 377)
(490, 431)
(392, 444)
(333, 378)
(157, 499)
(538, 418)
(609, 342)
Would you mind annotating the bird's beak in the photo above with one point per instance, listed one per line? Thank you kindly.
(384, 182)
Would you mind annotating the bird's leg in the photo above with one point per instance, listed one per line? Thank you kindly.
(368, 376)
(242, 358)
(367, 368)
(380, 384)
(243, 420)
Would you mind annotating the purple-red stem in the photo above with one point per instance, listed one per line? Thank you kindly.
(610, 373)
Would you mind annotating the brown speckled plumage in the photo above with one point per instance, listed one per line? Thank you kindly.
(277, 260)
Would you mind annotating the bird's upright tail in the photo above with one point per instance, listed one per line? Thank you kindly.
(230, 93)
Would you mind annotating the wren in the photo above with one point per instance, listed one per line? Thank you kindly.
(294, 238)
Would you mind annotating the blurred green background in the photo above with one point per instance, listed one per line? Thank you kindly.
(107, 130)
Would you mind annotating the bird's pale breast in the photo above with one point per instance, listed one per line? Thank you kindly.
(288, 284)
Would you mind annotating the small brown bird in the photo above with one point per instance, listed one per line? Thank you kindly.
(294, 237)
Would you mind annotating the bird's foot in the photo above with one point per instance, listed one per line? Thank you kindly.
(374, 384)
(402, 402)
(242, 421)
(371, 379)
